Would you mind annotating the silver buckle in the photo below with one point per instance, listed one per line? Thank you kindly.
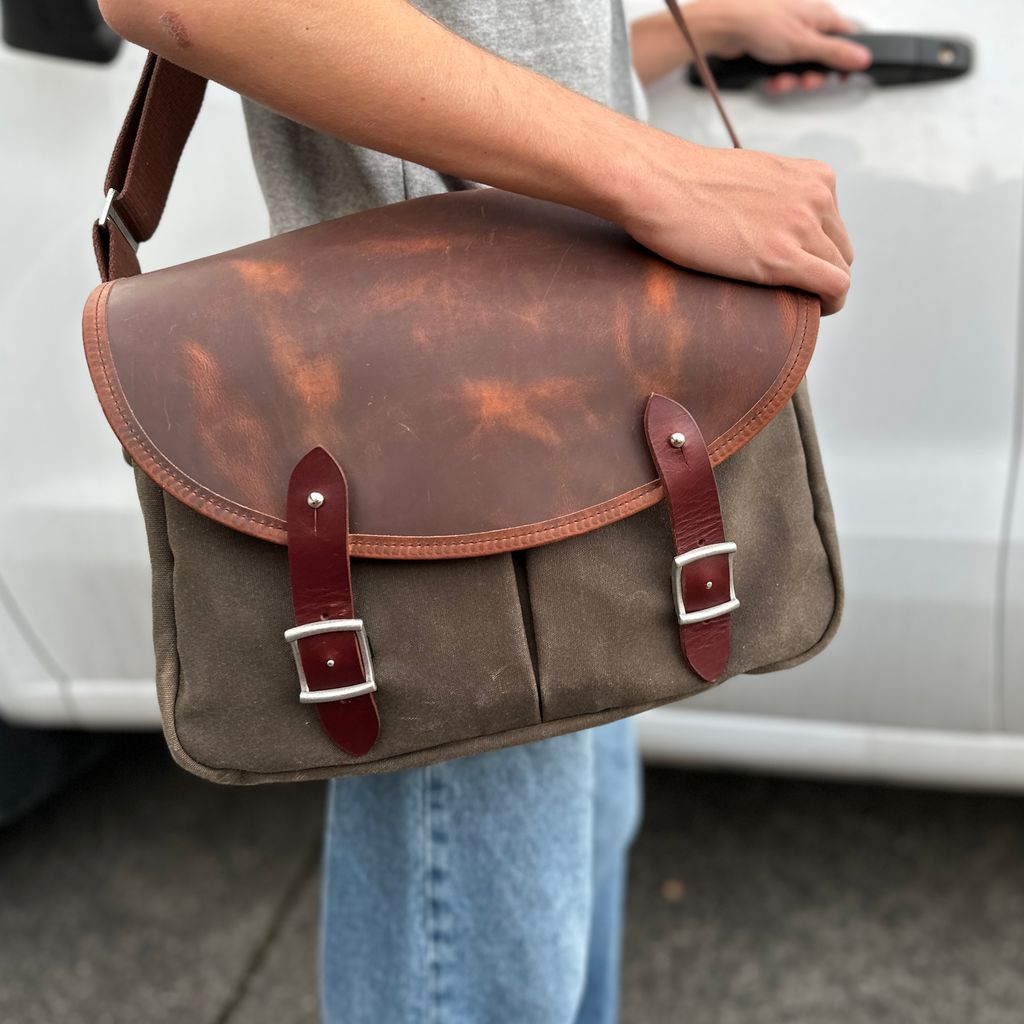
(108, 213)
(308, 696)
(688, 558)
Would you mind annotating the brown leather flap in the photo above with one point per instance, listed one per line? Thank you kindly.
(478, 363)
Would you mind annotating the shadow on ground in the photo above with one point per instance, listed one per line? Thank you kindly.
(143, 895)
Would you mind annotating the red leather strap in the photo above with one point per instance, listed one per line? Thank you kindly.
(318, 564)
(692, 496)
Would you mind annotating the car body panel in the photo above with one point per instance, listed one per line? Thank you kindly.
(72, 545)
(914, 383)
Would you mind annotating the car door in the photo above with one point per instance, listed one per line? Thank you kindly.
(74, 575)
(914, 383)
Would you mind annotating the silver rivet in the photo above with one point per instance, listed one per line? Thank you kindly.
(330, 661)
(677, 440)
(947, 55)
(708, 584)
(315, 499)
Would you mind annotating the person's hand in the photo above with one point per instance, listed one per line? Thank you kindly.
(773, 31)
(741, 214)
(785, 32)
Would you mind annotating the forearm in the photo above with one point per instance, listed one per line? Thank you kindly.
(385, 76)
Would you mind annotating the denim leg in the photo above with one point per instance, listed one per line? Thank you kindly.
(463, 893)
(617, 810)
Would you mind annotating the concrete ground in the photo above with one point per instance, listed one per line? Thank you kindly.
(142, 895)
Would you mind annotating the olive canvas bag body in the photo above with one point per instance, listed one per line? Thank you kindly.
(453, 474)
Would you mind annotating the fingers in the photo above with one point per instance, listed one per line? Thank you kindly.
(841, 54)
(826, 18)
(823, 265)
(835, 230)
(818, 266)
(784, 83)
(825, 280)
(824, 248)
(808, 81)
(827, 205)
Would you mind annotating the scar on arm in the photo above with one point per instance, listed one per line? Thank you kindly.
(172, 24)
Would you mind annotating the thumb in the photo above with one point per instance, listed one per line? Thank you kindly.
(841, 54)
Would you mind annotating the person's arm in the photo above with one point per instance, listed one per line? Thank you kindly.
(774, 31)
(385, 76)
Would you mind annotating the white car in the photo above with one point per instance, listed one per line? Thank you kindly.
(916, 390)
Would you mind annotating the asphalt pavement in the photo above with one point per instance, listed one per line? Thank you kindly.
(142, 895)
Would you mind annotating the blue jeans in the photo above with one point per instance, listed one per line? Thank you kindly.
(487, 889)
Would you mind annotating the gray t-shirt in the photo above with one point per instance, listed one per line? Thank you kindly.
(307, 177)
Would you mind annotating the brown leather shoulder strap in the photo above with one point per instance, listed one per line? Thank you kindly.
(149, 146)
(145, 159)
(704, 71)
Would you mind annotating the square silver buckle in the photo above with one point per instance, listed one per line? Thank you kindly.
(369, 684)
(688, 558)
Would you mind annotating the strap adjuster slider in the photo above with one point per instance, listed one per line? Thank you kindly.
(109, 214)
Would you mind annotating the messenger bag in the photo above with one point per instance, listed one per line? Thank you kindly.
(461, 472)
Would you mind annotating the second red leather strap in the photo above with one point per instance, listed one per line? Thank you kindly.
(702, 581)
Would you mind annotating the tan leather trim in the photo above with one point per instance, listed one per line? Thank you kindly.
(214, 506)
(142, 451)
(777, 395)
